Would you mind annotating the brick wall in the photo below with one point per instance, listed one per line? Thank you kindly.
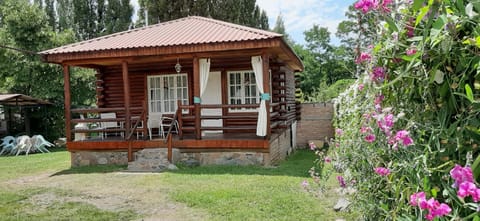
(315, 123)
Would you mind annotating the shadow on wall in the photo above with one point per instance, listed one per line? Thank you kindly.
(315, 123)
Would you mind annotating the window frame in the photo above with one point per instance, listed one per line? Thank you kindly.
(244, 97)
(164, 100)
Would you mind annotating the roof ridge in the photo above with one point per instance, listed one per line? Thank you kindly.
(236, 26)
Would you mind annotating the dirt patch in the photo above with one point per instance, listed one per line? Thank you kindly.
(143, 193)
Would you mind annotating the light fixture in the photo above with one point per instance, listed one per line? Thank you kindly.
(178, 67)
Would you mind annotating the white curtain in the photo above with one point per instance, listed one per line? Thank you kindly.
(204, 72)
(257, 65)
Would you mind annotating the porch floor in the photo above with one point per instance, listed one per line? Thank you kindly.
(208, 141)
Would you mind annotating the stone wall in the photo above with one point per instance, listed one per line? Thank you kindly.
(87, 158)
(280, 147)
(315, 123)
(223, 158)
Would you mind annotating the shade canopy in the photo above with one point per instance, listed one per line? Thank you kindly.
(21, 100)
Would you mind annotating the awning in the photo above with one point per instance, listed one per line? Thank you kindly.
(21, 100)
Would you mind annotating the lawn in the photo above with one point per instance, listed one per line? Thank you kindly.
(43, 187)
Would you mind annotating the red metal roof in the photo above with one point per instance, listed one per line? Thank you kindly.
(184, 31)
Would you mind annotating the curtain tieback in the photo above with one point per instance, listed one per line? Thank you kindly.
(265, 97)
(197, 100)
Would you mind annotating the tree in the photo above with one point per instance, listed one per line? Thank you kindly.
(243, 12)
(25, 26)
(280, 28)
(118, 16)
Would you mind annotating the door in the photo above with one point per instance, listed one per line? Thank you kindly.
(213, 95)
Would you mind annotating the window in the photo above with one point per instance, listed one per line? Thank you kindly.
(242, 88)
(165, 90)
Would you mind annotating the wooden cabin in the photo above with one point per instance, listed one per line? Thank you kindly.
(226, 92)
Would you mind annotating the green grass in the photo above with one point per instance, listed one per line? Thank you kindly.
(20, 166)
(222, 192)
(15, 206)
(252, 193)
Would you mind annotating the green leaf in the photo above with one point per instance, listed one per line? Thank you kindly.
(391, 24)
(422, 14)
(440, 22)
(469, 93)
(476, 168)
(434, 192)
(476, 218)
(417, 4)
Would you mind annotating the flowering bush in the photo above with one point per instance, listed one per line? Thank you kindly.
(412, 119)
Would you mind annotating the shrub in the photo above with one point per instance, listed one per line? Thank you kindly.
(412, 120)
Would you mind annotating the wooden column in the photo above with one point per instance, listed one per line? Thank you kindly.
(67, 102)
(196, 93)
(266, 89)
(126, 101)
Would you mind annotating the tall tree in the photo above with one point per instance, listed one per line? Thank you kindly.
(85, 18)
(244, 12)
(280, 28)
(118, 16)
(50, 11)
(65, 14)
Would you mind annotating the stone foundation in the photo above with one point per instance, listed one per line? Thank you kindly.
(224, 158)
(88, 158)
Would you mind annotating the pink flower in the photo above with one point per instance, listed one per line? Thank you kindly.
(404, 137)
(469, 189)
(370, 138)
(312, 146)
(364, 130)
(379, 98)
(338, 132)
(378, 74)
(327, 160)
(386, 123)
(385, 4)
(435, 208)
(382, 171)
(363, 57)
(461, 174)
(411, 51)
(360, 87)
(366, 5)
(416, 198)
(341, 181)
(305, 184)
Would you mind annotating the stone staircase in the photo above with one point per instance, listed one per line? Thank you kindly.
(153, 160)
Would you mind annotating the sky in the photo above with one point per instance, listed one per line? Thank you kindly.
(301, 15)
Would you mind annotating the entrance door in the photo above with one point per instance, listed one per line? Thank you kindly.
(213, 95)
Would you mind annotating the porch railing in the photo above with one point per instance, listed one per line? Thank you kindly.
(244, 122)
(91, 119)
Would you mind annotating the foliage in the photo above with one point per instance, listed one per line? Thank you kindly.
(415, 111)
(25, 26)
(328, 93)
(243, 12)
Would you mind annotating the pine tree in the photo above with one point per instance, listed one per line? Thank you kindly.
(118, 16)
(50, 11)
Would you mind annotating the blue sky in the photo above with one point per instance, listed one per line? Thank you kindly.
(301, 15)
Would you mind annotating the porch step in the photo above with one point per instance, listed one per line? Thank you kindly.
(153, 160)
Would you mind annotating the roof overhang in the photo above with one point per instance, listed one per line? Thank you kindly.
(276, 47)
(21, 100)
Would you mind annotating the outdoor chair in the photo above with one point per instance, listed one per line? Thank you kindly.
(7, 145)
(166, 123)
(154, 121)
(24, 144)
(110, 124)
(39, 143)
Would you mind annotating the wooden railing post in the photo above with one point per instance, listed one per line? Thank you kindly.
(180, 120)
(68, 115)
(126, 97)
(196, 97)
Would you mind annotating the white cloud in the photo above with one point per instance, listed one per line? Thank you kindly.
(301, 15)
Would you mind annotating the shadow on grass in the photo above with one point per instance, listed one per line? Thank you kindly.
(296, 165)
(91, 169)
